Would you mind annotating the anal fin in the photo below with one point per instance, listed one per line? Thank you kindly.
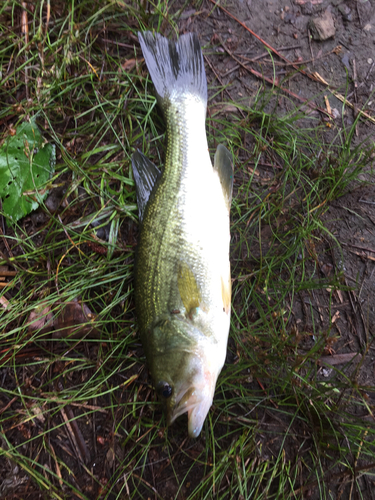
(145, 175)
(226, 292)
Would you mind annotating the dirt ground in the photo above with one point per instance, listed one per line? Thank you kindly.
(346, 61)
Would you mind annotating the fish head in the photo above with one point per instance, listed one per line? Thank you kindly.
(185, 372)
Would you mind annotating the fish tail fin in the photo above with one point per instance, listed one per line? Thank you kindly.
(175, 67)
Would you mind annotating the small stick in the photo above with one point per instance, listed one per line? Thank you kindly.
(265, 392)
(309, 75)
(355, 93)
(2, 234)
(336, 50)
(319, 308)
(359, 247)
(7, 273)
(273, 83)
(364, 81)
(48, 15)
(351, 251)
(25, 31)
(359, 15)
(310, 45)
(267, 53)
(4, 285)
(328, 105)
(221, 83)
(344, 100)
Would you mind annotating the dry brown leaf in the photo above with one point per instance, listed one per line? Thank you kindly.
(223, 108)
(40, 319)
(338, 359)
(4, 302)
(75, 320)
(110, 456)
(129, 64)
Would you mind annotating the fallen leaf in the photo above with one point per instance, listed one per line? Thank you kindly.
(338, 359)
(38, 412)
(129, 64)
(223, 108)
(27, 162)
(74, 320)
(40, 319)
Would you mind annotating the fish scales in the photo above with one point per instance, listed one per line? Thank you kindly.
(182, 279)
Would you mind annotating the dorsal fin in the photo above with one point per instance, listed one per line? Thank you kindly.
(145, 176)
(224, 167)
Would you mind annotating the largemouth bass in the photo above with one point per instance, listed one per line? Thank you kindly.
(182, 275)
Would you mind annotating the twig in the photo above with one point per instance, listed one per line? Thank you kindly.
(359, 14)
(364, 81)
(355, 78)
(221, 83)
(355, 93)
(2, 234)
(273, 83)
(309, 75)
(72, 436)
(3, 272)
(265, 392)
(254, 59)
(218, 77)
(336, 50)
(58, 471)
(362, 255)
(310, 45)
(25, 32)
(313, 76)
(4, 408)
(344, 100)
(48, 15)
(366, 201)
(78, 435)
(359, 247)
(319, 307)
(4, 285)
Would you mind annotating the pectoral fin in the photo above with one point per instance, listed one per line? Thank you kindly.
(145, 175)
(224, 167)
(226, 292)
(188, 288)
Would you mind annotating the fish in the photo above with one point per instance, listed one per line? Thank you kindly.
(182, 279)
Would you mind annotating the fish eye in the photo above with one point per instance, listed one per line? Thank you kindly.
(164, 389)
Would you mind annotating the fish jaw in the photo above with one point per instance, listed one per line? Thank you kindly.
(188, 361)
(185, 361)
(196, 402)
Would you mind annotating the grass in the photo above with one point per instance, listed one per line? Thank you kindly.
(78, 417)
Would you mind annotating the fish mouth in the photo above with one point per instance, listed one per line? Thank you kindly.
(190, 401)
(184, 402)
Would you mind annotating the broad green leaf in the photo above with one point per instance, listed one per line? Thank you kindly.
(26, 164)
